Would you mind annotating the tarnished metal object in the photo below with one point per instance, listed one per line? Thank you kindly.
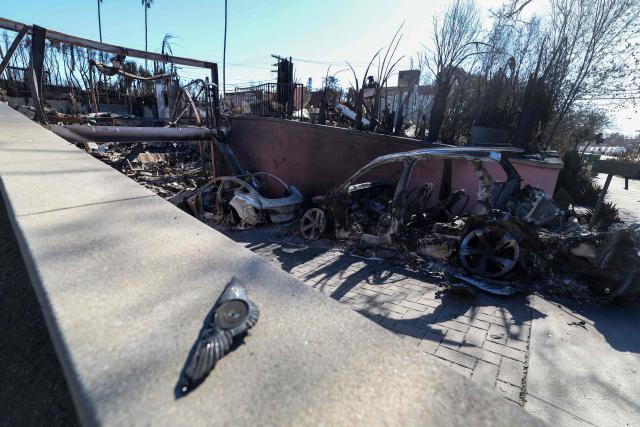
(347, 112)
(130, 134)
(491, 286)
(390, 212)
(243, 200)
(232, 316)
(489, 251)
(312, 224)
(251, 205)
(386, 212)
(247, 209)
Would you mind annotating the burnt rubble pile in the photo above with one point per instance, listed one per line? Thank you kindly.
(177, 173)
(529, 246)
(513, 239)
(165, 169)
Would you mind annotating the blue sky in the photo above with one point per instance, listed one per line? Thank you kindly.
(326, 32)
(317, 34)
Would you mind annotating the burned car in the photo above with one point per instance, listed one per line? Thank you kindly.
(242, 200)
(392, 201)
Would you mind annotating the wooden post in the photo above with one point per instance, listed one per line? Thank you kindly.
(600, 201)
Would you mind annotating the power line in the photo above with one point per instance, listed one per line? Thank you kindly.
(262, 67)
(224, 52)
(326, 62)
(610, 98)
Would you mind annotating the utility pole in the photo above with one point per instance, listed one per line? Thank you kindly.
(146, 49)
(224, 53)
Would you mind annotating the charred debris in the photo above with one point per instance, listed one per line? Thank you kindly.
(506, 239)
(500, 238)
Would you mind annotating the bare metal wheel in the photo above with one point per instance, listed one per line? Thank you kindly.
(312, 224)
(489, 251)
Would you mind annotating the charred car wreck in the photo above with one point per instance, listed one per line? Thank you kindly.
(243, 200)
(506, 235)
(396, 210)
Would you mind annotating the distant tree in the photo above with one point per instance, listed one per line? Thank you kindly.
(596, 39)
(583, 49)
(358, 90)
(166, 49)
(330, 82)
(455, 39)
(386, 66)
(582, 126)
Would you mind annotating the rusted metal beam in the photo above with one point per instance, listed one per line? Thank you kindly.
(12, 48)
(8, 24)
(131, 134)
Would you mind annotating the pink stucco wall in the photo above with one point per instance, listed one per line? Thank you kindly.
(317, 158)
(539, 174)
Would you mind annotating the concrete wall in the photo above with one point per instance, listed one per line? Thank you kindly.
(317, 158)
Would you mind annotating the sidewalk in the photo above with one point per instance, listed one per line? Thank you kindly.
(627, 201)
(486, 339)
(584, 374)
(521, 347)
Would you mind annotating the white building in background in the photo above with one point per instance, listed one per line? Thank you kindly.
(418, 97)
(618, 149)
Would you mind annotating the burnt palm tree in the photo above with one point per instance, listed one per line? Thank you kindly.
(146, 4)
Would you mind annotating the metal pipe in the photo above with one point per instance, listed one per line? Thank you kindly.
(130, 134)
(346, 111)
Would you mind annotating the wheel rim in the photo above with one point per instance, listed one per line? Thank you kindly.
(312, 224)
(489, 251)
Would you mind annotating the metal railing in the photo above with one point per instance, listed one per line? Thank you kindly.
(47, 52)
(281, 100)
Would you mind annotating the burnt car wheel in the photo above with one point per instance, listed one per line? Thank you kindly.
(312, 224)
(489, 251)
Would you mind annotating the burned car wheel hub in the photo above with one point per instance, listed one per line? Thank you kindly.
(312, 224)
(489, 251)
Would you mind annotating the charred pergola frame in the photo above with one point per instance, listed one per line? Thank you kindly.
(40, 34)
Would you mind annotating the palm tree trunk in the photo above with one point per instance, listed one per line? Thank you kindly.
(99, 22)
(224, 53)
(145, 35)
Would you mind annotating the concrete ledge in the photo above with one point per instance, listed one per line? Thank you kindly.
(125, 280)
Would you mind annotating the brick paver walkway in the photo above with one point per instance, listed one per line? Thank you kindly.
(484, 338)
